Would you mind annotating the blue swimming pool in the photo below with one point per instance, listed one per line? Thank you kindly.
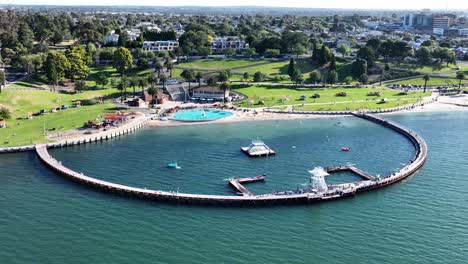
(200, 115)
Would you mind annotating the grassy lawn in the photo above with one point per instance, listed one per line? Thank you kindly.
(25, 132)
(272, 95)
(436, 68)
(220, 64)
(22, 131)
(372, 105)
(434, 81)
(35, 81)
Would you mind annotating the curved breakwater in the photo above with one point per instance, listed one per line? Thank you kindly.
(303, 196)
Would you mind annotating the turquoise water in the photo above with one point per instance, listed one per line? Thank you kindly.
(201, 115)
(47, 219)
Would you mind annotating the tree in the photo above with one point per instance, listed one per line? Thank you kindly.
(5, 113)
(332, 66)
(426, 78)
(358, 68)
(324, 55)
(460, 77)
(291, 67)
(133, 82)
(246, 76)
(188, 75)
(152, 91)
(258, 76)
(223, 77)
(78, 69)
(169, 67)
(225, 87)
(295, 76)
(163, 80)
(80, 86)
(123, 39)
(364, 79)
(424, 56)
(102, 78)
(152, 79)
(228, 52)
(55, 66)
(343, 50)
(348, 80)
(157, 67)
(367, 54)
(315, 77)
(332, 77)
(142, 82)
(122, 60)
(122, 87)
(198, 77)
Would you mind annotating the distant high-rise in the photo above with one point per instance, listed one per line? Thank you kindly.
(418, 21)
(441, 22)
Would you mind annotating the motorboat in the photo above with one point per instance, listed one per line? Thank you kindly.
(173, 165)
(346, 149)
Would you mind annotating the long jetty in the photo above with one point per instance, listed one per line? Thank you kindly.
(247, 198)
(238, 184)
(351, 168)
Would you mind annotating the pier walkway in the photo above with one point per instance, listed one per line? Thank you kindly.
(237, 184)
(295, 196)
(351, 168)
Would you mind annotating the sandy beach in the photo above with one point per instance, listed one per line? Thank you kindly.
(444, 104)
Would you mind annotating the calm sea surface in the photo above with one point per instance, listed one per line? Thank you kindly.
(424, 219)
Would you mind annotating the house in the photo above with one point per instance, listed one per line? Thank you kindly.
(156, 46)
(115, 119)
(161, 98)
(137, 102)
(219, 44)
(111, 39)
(209, 92)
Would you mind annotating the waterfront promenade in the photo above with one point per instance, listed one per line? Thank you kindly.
(295, 196)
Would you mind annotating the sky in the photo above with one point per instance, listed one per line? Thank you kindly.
(366, 4)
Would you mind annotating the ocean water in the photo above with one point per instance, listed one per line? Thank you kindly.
(48, 219)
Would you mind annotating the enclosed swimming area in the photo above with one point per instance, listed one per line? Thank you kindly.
(200, 115)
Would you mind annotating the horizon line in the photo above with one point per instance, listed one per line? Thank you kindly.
(236, 6)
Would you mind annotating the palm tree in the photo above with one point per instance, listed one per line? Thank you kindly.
(152, 91)
(188, 75)
(225, 87)
(157, 67)
(133, 82)
(426, 78)
(199, 76)
(142, 82)
(163, 79)
(152, 79)
(169, 67)
(460, 77)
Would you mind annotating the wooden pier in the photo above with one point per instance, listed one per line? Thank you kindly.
(352, 169)
(237, 184)
(247, 198)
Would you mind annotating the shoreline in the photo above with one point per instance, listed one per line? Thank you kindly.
(444, 104)
(435, 107)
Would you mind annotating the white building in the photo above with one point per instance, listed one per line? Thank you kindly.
(438, 31)
(111, 39)
(463, 32)
(219, 44)
(162, 45)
